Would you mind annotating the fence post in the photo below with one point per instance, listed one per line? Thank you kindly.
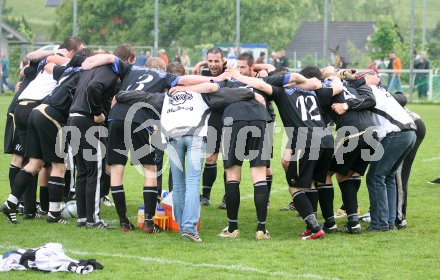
(431, 75)
(156, 27)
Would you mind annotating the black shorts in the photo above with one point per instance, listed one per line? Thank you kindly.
(43, 126)
(269, 137)
(239, 143)
(86, 138)
(305, 168)
(11, 140)
(351, 161)
(215, 126)
(117, 149)
(21, 117)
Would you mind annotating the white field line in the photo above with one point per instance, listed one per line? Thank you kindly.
(183, 263)
(430, 159)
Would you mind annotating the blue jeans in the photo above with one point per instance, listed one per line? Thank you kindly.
(394, 82)
(381, 179)
(186, 197)
(6, 83)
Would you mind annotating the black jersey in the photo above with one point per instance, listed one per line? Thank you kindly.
(270, 110)
(140, 78)
(244, 110)
(94, 91)
(58, 72)
(325, 105)
(62, 96)
(359, 98)
(301, 115)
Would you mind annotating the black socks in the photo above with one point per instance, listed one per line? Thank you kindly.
(261, 198)
(150, 200)
(233, 204)
(208, 179)
(305, 210)
(118, 195)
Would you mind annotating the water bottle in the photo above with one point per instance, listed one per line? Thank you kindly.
(160, 212)
(232, 61)
(164, 194)
(141, 217)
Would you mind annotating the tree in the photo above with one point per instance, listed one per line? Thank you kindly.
(182, 23)
(18, 23)
(385, 38)
(434, 46)
(264, 22)
(101, 22)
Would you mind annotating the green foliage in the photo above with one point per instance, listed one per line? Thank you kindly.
(187, 23)
(362, 10)
(196, 52)
(404, 54)
(25, 29)
(434, 53)
(309, 59)
(384, 39)
(182, 23)
(19, 23)
(262, 21)
(100, 22)
(36, 14)
(6, 10)
(358, 58)
(64, 24)
(435, 34)
(15, 55)
(15, 58)
(434, 47)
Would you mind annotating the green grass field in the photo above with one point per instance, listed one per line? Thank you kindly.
(407, 254)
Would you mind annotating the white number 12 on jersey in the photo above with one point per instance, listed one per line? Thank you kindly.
(302, 102)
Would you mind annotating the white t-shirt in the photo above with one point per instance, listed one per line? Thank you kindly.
(184, 113)
(391, 115)
(39, 88)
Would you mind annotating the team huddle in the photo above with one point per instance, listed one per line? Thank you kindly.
(79, 116)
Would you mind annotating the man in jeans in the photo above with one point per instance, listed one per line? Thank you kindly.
(394, 78)
(184, 121)
(5, 73)
(397, 135)
(186, 205)
(186, 137)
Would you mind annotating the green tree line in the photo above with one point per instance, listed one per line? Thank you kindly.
(197, 24)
